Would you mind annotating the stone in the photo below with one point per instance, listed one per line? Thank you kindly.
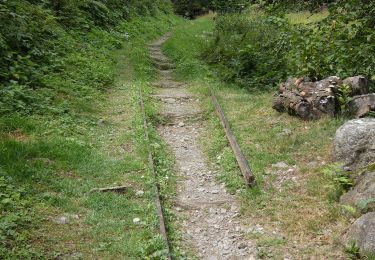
(363, 191)
(354, 143)
(76, 255)
(362, 232)
(139, 193)
(61, 220)
(136, 220)
(285, 132)
(242, 246)
(359, 85)
(280, 165)
(65, 219)
(181, 124)
(101, 122)
(361, 105)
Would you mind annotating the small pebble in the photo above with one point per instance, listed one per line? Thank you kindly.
(139, 193)
(242, 246)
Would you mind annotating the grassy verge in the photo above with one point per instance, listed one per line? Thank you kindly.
(293, 212)
(50, 162)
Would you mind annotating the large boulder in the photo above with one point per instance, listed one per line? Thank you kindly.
(362, 195)
(354, 143)
(360, 106)
(358, 84)
(362, 232)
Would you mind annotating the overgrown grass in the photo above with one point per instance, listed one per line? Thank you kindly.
(53, 161)
(297, 206)
(305, 17)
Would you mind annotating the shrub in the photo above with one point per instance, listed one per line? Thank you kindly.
(341, 45)
(250, 51)
(260, 49)
(48, 54)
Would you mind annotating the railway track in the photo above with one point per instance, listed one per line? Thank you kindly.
(180, 105)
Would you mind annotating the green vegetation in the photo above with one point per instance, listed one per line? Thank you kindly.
(306, 17)
(300, 202)
(71, 75)
(194, 8)
(70, 122)
(264, 47)
(42, 42)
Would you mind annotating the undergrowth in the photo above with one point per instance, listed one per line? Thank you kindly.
(78, 128)
(263, 46)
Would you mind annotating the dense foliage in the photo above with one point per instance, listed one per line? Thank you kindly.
(193, 8)
(262, 48)
(56, 63)
(245, 49)
(40, 40)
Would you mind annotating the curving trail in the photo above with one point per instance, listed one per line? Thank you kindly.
(209, 215)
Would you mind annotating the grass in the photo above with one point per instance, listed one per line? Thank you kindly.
(298, 208)
(51, 163)
(305, 17)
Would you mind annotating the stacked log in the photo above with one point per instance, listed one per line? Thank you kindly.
(311, 100)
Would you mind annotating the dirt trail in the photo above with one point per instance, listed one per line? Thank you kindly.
(209, 215)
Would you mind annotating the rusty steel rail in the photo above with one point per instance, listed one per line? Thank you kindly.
(240, 157)
(159, 208)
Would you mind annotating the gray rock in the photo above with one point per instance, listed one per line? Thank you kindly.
(65, 219)
(280, 165)
(61, 220)
(363, 191)
(359, 85)
(242, 246)
(354, 143)
(76, 255)
(139, 193)
(285, 132)
(363, 233)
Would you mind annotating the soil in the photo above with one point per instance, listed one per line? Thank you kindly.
(208, 214)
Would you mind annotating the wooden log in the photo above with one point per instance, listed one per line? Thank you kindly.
(240, 157)
(159, 208)
(306, 99)
(118, 189)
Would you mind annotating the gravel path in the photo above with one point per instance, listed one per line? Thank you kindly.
(209, 215)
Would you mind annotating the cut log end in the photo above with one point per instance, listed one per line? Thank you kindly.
(311, 100)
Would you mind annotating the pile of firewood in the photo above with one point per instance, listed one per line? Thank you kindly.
(311, 100)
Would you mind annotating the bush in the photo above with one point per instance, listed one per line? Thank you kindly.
(341, 45)
(250, 51)
(260, 49)
(49, 53)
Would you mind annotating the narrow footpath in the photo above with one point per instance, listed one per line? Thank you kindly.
(209, 216)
